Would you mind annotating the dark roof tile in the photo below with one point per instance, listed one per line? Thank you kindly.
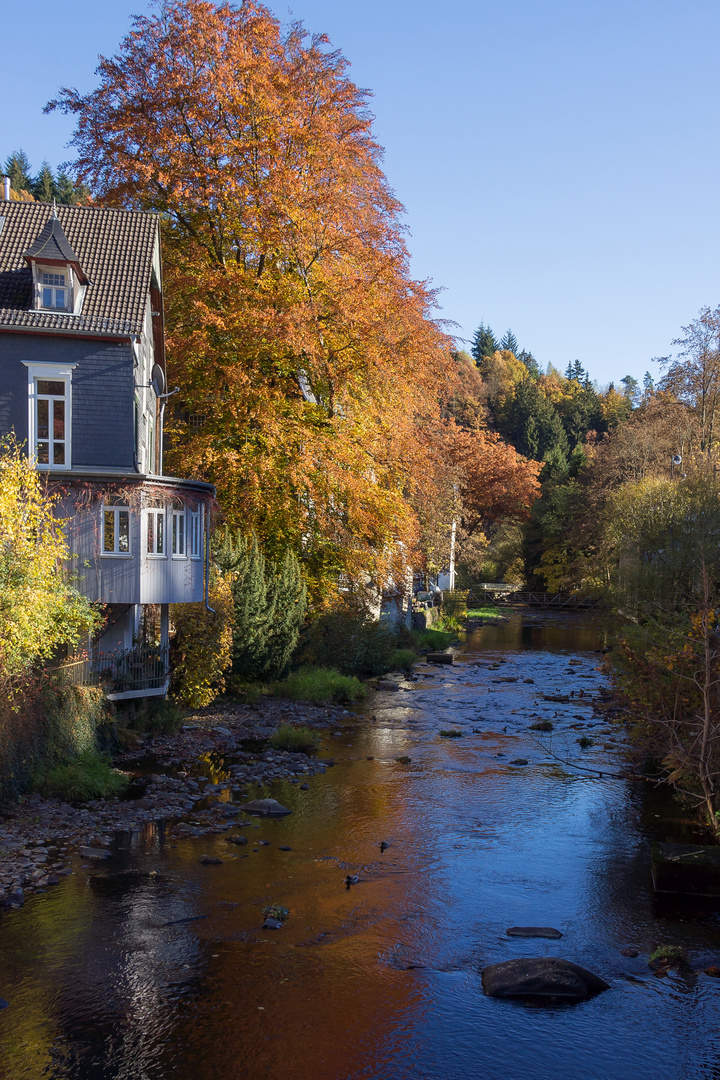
(113, 247)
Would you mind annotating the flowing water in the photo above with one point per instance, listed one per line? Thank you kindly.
(155, 966)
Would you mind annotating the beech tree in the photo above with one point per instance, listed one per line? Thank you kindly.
(294, 328)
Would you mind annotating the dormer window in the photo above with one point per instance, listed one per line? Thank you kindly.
(55, 291)
(59, 280)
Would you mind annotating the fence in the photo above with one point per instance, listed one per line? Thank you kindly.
(127, 672)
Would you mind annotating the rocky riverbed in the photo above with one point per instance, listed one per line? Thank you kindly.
(174, 780)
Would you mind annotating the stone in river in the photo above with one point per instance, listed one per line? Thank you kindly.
(284, 847)
(541, 977)
(533, 931)
(386, 684)
(94, 853)
(209, 860)
(519, 761)
(272, 924)
(439, 658)
(267, 807)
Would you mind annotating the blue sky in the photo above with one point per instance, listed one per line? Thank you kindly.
(558, 159)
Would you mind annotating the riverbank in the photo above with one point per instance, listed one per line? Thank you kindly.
(174, 778)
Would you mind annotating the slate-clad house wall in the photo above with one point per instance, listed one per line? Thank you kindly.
(81, 384)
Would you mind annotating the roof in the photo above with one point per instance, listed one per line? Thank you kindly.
(113, 247)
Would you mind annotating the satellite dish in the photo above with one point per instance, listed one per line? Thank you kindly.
(158, 380)
(677, 459)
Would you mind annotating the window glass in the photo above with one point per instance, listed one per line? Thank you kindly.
(123, 530)
(178, 532)
(109, 531)
(155, 532)
(116, 530)
(51, 386)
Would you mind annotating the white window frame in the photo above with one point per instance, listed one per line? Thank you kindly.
(195, 532)
(159, 513)
(174, 519)
(54, 373)
(42, 286)
(116, 511)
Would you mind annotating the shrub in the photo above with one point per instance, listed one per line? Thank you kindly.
(454, 604)
(402, 660)
(201, 647)
(451, 733)
(49, 722)
(584, 742)
(319, 684)
(296, 739)
(276, 911)
(432, 639)
(668, 954)
(90, 776)
(542, 725)
(352, 644)
(152, 716)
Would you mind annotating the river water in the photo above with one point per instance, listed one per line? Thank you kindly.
(155, 966)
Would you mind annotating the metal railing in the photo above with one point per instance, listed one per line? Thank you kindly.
(145, 667)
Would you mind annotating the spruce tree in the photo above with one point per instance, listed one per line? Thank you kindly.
(44, 187)
(510, 342)
(287, 597)
(17, 167)
(484, 343)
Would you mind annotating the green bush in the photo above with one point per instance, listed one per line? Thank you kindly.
(296, 739)
(454, 604)
(451, 733)
(318, 684)
(51, 721)
(402, 660)
(352, 644)
(432, 639)
(150, 716)
(90, 776)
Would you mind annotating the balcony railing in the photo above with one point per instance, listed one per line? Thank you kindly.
(138, 672)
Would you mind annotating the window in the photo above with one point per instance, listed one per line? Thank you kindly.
(49, 415)
(116, 530)
(54, 290)
(195, 533)
(50, 426)
(156, 532)
(178, 532)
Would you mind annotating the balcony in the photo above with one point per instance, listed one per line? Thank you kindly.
(143, 671)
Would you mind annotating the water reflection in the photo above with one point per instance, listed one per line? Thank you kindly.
(156, 966)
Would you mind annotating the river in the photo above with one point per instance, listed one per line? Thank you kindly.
(155, 966)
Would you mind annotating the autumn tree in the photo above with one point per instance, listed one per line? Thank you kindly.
(294, 327)
(694, 377)
(39, 608)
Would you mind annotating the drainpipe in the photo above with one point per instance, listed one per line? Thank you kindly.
(452, 555)
(206, 531)
(6, 188)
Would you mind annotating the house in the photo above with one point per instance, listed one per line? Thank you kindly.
(82, 383)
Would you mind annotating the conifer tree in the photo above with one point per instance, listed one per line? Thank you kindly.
(484, 343)
(287, 598)
(510, 342)
(17, 167)
(44, 187)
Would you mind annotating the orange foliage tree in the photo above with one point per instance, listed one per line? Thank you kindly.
(294, 327)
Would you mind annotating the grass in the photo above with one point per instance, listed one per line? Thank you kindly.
(669, 954)
(584, 742)
(542, 725)
(485, 612)
(433, 639)
(276, 911)
(317, 684)
(90, 776)
(402, 660)
(297, 739)
(451, 733)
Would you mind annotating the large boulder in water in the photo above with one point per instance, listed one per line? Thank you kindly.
(543, 976)
(266, 808)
